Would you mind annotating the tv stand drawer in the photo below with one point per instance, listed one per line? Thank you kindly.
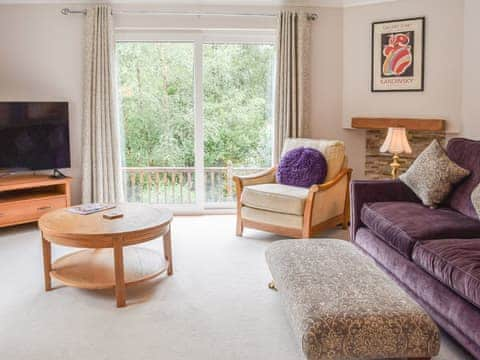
(24, 198)
(30, 210)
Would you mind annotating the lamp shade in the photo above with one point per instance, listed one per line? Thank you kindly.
(396, 142)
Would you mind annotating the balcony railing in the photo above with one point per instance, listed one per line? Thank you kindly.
(176, 185)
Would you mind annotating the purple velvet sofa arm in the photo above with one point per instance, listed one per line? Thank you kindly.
(365, 191)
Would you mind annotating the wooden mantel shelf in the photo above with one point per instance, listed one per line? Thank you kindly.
(410, 124)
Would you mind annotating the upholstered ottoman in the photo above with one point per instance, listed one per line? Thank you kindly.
(341, 306)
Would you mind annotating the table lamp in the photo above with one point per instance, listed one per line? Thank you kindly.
(396, 143)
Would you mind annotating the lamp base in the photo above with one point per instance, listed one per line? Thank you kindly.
(395, 165)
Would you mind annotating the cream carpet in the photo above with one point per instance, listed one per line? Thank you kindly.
(216, 306)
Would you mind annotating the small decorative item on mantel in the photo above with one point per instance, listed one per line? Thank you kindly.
(398, 50)
(396, 143)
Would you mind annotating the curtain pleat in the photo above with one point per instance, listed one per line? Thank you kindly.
(101, 154)
(292, 78)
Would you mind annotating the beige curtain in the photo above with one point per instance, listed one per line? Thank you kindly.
(101, 180)
(292, 96)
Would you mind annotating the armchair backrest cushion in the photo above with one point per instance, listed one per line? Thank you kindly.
(465, 153)
(332, 150)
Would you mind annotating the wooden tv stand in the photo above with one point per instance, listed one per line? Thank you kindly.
(24, 198)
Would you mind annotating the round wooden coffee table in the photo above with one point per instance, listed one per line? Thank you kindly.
(108, 260)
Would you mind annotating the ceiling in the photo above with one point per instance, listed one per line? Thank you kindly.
(313, 3)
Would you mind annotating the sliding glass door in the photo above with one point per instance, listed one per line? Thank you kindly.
(157, 95)
(195, 112)
(237, 112)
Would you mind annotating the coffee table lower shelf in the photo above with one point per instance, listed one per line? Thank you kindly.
(95, 269)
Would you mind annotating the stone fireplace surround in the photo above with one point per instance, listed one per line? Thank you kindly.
(420, 133)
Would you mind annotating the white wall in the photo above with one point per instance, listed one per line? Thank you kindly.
(41, 60)
(327, 86)
(135, 21)
(442, 97)
(41, 56)
(471, 73)
(344, 74)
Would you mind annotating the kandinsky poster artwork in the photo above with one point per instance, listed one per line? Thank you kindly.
(398, 51)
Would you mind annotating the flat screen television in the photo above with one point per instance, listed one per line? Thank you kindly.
(34, 135)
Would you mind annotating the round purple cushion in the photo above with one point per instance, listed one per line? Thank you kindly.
(302, 167)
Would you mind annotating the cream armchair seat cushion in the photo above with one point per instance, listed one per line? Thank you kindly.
(272, 218)
(333, 150)
(275, 197)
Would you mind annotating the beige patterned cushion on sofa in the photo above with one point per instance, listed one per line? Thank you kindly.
(432, 175)
(333, 150)
(342, 306)
(275, 197)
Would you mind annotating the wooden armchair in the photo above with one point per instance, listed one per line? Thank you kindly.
(293, 211)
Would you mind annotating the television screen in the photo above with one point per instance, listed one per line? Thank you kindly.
(34, 135)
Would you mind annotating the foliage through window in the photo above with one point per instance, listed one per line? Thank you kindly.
(156, 86)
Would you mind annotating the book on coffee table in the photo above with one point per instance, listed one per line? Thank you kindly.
(86, 209)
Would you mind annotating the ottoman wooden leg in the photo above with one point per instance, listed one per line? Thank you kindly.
(271, 285)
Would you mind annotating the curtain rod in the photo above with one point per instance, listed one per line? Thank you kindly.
(68, 11)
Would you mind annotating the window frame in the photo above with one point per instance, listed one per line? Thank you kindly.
(198, 38)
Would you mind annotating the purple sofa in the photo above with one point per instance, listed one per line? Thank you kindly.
(434, 254)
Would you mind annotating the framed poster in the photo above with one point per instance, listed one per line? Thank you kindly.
(398, 50)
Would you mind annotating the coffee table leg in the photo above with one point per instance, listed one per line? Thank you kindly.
(119, 272)
(47, 263)
(167, 250)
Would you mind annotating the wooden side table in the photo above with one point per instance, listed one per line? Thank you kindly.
(109, 260)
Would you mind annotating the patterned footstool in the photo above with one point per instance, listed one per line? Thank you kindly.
(342, 306)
